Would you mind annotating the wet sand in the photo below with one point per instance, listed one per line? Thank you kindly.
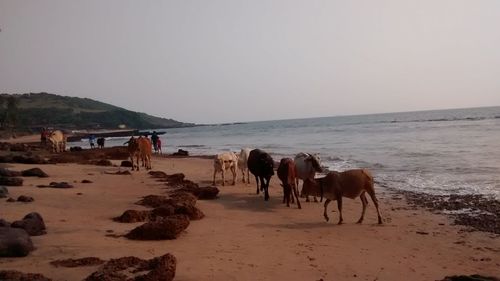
(242, 237)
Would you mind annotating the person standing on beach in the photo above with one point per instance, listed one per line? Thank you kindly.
(154, 139)
(158, 145)
(91, 141)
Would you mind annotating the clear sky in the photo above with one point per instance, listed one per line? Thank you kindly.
(211, 61)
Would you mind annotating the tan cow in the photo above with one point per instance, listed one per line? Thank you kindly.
(242, 164)
(58, 141)
(350, 184)
(225, 161)
(133, 151)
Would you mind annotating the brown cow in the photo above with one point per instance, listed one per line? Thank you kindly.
(350, 184)
(145, 151)
(286, 173)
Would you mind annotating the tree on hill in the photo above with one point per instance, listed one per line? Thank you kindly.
(9, 112)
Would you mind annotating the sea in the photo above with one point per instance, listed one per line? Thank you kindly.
(443, 152)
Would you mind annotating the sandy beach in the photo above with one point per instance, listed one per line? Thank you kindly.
(242, 237)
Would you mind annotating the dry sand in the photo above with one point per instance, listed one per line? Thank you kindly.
(243, 237)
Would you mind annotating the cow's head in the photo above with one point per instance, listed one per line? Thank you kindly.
(315, 161)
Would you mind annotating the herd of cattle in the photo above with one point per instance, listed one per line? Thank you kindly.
(333, 186)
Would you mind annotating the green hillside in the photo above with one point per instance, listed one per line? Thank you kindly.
(37, 110)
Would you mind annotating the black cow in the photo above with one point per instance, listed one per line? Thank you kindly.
(261, 165)
(100, 142)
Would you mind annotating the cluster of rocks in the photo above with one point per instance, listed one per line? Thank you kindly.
(13, 178)
(14, 275)
(170, 215)
(99, 157)
(89, 261)
(159, 268)
(23, 158)
(53, 184)
(178, 184)
(474, 277)
(130, 268)
(15, 238)
(475, 211)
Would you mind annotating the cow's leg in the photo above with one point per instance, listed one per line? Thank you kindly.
(137, 160)
(364, 201)
(339, 206)
(295, 192)
(215, 172)
(243, 175)
(327, 201)
(257, 182)
(248, 175)
(233, 170)
(266, 188)
(132, 160)
(375, 202)
(223, 175)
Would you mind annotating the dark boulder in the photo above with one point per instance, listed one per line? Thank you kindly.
(8, 173)
(10, 200)
(157, 174)
(34, 172)
(56, 185)
(4, 223)
(181, 152)
(11, 181)
(202, 193)
(75, 148)
(28, 159)
(33, 224)
(24, 198)
(133, 216)
(14, 242)
(161, 229)
(86, 181)
(126, 163)
(14, 275)
(4, 192)
(22, 147)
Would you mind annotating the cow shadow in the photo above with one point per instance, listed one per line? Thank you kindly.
(254, 203)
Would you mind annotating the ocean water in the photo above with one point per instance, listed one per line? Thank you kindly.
(439, 152)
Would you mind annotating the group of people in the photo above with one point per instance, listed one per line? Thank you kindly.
(100, 142)
(155, 139)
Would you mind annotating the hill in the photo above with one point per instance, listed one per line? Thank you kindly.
(35, 110)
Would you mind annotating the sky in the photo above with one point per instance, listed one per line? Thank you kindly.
(235, 61)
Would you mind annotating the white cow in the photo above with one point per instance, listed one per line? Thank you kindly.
(225, 161)
(58, 141)
(306, 166)
(242, 163)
